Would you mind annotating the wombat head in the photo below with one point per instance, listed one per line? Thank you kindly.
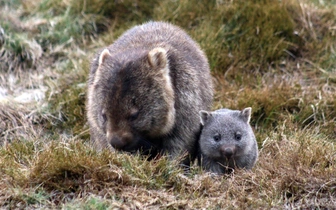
(132, 96)
(228, 138)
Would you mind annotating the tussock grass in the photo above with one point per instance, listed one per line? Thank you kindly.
(302, 166)
(67, 167)
(255, 35)
(277, 57)
(20, 51)
(307, 105)
(18, 122)
(67, 104)
(297, 163)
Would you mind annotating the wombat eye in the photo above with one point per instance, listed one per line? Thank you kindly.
(238, 136)
(103, 116)
(217, 137)
(133, 116)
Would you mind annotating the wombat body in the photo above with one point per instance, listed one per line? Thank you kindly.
(146, 89)
(227, 141)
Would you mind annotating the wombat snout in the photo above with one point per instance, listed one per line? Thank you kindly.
(228, 151)
(118, 141)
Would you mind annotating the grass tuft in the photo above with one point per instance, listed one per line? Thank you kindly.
(253, 35)
(68, 167)
(18, 51)
(18, 122)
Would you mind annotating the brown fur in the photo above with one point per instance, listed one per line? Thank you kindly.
(146, 89)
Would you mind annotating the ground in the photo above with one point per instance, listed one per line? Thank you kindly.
(277, 57)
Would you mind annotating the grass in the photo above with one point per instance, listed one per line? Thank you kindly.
(277, 57)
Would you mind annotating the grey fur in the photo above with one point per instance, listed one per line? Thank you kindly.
(146, 89)
(227, 141)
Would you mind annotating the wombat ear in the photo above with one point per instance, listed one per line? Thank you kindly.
(246, 114)
(204, 116)
(158, 57)
(103, 56)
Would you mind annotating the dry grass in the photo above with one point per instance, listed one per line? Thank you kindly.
(277, 57)
(295, 169)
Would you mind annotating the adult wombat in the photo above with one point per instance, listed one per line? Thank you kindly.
(227, 141)
(146, 89)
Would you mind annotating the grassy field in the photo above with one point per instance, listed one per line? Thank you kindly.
(278, 57)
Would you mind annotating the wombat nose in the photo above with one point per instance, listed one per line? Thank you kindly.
(118, 142)
(228, 152)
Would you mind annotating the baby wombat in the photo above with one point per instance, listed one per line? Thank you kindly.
(227, 141)
(146, 89)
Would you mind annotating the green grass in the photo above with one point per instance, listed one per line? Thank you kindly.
(277, 57)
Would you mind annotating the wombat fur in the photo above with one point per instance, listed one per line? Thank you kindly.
(146, 89)
(227, 141)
